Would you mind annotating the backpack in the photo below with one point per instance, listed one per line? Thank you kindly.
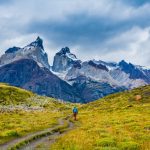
(75, 110)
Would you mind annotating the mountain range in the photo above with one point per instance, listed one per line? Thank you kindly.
(69, 78)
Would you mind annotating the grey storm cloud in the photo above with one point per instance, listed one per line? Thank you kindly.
(85, 30)
(108, 29)
(78, 29)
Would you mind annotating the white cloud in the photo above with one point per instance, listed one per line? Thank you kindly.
(132, 45)
(19, 41)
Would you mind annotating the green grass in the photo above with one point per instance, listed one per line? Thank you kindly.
(23, 112)
(14, 125)
(116, 122)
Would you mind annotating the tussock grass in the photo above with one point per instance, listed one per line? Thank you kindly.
(116, 122)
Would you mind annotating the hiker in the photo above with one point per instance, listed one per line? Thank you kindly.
(75, 112)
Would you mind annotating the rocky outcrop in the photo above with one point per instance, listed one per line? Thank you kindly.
(12, 50)
(99, 66)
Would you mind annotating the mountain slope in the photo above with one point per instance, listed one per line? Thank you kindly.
(27, 74)
(91, 90)
(116, 122)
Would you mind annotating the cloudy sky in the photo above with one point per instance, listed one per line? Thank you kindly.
(109, 30)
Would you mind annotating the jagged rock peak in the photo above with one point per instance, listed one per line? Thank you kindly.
(125, 65)
(12, 49)
(99, 66)
(64, 60)
(64, 51)
(34, 51)
(123, 62)
(38, 43)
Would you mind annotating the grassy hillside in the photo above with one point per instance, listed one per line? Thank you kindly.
(117, 122)
(22, 112)
(13, 95)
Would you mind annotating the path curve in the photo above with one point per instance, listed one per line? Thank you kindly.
(45, 142)
(46, 137)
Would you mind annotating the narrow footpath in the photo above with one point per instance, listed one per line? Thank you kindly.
(42, 139)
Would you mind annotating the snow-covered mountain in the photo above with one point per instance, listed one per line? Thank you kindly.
(68, 78)
(34, 50)
(120, 74)
(94, 79)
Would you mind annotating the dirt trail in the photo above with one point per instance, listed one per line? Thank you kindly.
(45, 142)
(42, 139)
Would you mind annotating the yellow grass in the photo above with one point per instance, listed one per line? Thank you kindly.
(117, 122)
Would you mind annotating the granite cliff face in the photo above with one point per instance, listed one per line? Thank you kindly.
(64, 60)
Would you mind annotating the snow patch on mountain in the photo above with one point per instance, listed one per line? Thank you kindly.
(64, 60)
(91, 72)
(123, 79)
(34, 50)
